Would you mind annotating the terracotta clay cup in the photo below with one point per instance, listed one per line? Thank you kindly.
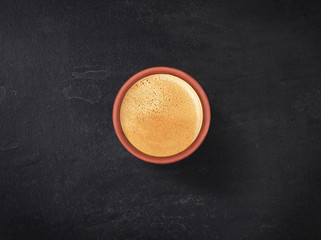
(205, 124)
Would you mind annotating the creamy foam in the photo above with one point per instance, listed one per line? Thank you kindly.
(161, 115)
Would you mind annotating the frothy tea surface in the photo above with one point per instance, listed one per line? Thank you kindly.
(161, 115)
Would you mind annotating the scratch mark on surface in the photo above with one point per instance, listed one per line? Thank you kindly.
(91, 93)
(92, 75)
(2, 93)
(9, 146)
(191, 200)
(87, 67)
(265, 226)
(30, 163)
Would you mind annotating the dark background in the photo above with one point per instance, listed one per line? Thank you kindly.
(65, 175)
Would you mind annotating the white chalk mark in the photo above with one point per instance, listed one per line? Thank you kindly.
(92, 75)
(91, 93)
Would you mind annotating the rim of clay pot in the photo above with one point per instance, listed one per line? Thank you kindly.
(205, 124)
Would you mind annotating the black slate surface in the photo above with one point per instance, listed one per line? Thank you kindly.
(63, 172)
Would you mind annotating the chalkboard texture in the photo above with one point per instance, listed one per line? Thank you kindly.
(65, 175)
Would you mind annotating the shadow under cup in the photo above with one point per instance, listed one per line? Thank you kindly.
(203, 129)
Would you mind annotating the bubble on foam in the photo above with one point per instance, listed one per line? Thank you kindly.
(144, 96)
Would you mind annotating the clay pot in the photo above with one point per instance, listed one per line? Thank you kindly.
(205, 124)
